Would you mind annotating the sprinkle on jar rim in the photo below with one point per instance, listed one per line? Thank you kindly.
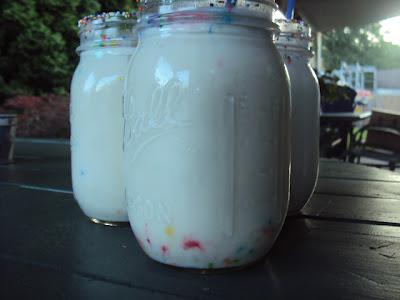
(294, 28)
(107, 17)
(107, 30)
(168, 6)
(249, 13)
(294, 36)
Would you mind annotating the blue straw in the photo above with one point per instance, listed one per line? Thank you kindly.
(290, 9)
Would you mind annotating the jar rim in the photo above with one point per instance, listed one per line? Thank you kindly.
(293, 28)
(294, 35)
(249, 13)
(98, 21)
(107, 30)
(166, 6)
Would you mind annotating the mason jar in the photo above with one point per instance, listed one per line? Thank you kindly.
(294, 45)
(206, 139)
(107, 42)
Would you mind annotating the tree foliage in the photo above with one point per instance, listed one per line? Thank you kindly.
(38, 39)
(364, 45)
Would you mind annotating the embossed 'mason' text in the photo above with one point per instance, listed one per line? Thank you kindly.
(155, 211)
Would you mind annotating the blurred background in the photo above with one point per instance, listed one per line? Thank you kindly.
(38, 39)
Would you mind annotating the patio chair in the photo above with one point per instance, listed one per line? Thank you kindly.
(379, 140)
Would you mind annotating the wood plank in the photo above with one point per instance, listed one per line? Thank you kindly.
(357, 188)
(27, 280)
(46, 174)
(340, 170)
(373, 210)
(346, 116)
(312, 258)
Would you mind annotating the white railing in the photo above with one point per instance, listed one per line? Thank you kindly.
(357, 76)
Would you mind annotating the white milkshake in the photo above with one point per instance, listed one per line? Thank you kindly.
(107, 44)
(206, 155)
(294, 46)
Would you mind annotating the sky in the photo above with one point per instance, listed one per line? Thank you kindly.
(391, 30)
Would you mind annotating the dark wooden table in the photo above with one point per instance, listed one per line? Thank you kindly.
(337, 131)
(345, 245)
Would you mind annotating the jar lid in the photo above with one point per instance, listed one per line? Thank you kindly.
(293, 34)
(108, 29)
(254, 10)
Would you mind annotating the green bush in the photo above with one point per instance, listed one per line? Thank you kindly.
(38, 39)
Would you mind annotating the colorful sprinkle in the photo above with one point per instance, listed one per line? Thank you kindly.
(107, 44)
(169, 230)
(164, 249)
(106, 16)
(229, 5)
(229, 262)
(189, 244)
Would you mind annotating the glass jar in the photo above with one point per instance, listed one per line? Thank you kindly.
(107, 44)
(294, 46)
(206, 155)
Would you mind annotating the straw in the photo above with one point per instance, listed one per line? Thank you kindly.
(290, 9)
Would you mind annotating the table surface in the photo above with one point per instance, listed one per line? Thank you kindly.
(350, 116)
(345, 245)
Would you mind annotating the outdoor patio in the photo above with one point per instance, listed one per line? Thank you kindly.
(344, 244)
